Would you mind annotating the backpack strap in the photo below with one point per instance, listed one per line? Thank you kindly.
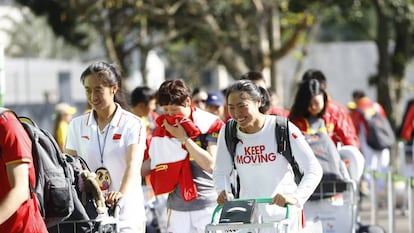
(231, 139)
(283, 145)
(230, 136)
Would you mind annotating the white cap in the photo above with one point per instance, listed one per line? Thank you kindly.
(64, 108)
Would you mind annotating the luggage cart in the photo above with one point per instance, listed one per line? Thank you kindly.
(281, 226)
(104, 224)
(155, 210)
(335, 204)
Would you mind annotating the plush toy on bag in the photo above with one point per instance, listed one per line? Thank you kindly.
(90, 185)
(87, 187)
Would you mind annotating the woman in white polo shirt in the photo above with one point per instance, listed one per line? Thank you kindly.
(111, 140)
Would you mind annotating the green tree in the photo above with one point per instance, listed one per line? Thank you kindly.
(123, 26)
(244, 35)
(395, 24)
(239, 34)
(30, 36)
(388, 23)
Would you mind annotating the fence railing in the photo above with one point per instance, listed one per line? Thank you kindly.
(401, 181)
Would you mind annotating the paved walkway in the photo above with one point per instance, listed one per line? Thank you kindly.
(401, 222)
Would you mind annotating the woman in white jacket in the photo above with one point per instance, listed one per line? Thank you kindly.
(263, 172)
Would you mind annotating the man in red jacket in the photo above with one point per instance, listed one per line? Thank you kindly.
(337, 118)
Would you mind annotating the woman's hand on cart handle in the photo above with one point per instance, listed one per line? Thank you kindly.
(111, 198)
(282, 200)
(223, 197)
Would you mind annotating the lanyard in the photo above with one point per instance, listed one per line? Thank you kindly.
(102, 150)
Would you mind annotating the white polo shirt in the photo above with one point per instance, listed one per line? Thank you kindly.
(108, 149)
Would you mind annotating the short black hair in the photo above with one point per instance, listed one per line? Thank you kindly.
(357, 94)
(141, 94)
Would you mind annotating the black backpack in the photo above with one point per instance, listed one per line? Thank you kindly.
(283, 146)
(57, 197)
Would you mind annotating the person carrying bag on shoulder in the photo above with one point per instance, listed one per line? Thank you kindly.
(262, 171)
(370, 119)
(19, 212)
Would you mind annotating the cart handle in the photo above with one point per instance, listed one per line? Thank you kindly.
(258, 200)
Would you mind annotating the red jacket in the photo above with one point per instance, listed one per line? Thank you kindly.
(407, 125)
(170, 165)
(338, 124)
(278, 111)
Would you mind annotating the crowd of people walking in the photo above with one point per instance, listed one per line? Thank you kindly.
(173, 139)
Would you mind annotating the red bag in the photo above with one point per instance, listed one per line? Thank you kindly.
(188, 188)
(192, 130)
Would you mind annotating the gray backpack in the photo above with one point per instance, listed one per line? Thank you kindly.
(54, 189)
(380, 134)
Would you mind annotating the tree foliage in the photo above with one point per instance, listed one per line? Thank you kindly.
(30, 36)
(389, 23)
(239, 34)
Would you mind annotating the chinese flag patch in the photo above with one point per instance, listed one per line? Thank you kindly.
(294, 135)
(116, 136)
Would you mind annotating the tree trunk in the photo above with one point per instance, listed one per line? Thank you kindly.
(143, 56)
(275, 80)
(399, 62)
(382, 41)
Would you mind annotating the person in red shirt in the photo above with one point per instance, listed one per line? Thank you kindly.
(375, 160)
(406, 130)
(19, 211)
(309, 107)
(337, 118)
